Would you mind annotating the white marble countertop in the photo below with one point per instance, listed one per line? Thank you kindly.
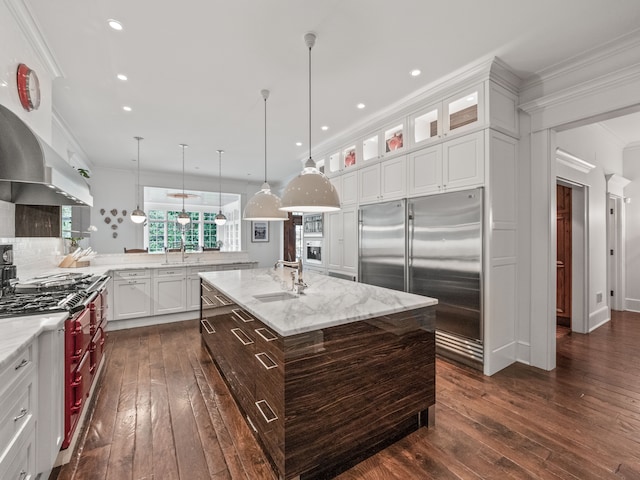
(16, 332)
(326, 302)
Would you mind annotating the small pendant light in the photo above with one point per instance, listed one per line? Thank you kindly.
(311, 190)
(220, 218)
(138, 216)
(183, 217)
(264, 205)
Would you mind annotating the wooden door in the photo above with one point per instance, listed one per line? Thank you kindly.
(289, 253)
(563, 260)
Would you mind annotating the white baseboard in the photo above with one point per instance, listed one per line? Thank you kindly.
(523, 351)
(632, 304)
(599, 318)
(113, 325)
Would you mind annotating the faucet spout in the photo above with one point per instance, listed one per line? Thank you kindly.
(298, 283)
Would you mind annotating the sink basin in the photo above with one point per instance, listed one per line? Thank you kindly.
(275, 297)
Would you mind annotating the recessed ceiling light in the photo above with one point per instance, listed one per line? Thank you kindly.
(126, 108)
(324, 128)
(122, 76)
(415, 72)
(115, 24)
(298, 144)
(361, 106)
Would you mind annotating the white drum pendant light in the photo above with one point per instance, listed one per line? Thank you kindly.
(220, 218)
(264, 205)
(138, 216)
(183, 217)
(310, 191)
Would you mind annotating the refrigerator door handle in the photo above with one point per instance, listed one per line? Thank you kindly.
(409, 256)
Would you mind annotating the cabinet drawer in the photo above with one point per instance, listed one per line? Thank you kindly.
(21, 366)
(16, 410)
(126, 274)
(204, 268)
(170, 272)
(20, 462)
(268, 420)
(212, 298)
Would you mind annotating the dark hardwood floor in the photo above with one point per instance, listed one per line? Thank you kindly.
(164, 413)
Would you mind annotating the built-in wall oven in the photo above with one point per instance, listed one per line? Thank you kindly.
(313, 252)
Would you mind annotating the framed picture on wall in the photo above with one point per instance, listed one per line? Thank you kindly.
(259, 231)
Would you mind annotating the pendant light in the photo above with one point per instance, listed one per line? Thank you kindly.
(264, 205)
(220, 218)
(138, 216)
(183, 217)
(311, 190)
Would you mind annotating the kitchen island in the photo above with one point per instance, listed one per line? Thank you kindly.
(326, 378)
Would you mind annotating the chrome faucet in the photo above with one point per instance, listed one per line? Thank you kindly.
(298, 284)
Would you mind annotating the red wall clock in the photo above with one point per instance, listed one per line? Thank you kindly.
(28, 88)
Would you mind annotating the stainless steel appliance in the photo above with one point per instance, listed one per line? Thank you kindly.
(313, 252)
(6, 254)
(432, 246)
(7, 269)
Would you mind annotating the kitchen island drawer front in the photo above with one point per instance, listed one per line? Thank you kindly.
(268, 417)
(213, 298)
(16, 410)
(20, 367)
(128, 274)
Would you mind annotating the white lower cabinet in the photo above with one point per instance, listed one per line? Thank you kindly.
(18, 407)
(169, 290)
(131, 298)
(343, 240)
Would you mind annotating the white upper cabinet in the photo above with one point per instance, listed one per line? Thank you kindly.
(383, 181)
(463, 111)
(453, 164)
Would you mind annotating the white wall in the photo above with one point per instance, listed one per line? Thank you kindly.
(116, 189)
(595, 145)
(631, 171)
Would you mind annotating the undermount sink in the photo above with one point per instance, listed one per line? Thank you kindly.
(275, 297)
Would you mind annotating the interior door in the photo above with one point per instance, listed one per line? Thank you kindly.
(563, 260)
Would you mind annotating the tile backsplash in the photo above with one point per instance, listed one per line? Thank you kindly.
(34, 253)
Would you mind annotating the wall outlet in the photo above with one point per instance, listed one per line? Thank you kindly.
(599, 297)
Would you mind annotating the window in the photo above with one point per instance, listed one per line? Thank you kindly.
(163, 229)
(67, 215)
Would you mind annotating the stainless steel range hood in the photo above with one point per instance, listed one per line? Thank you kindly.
(31, 172)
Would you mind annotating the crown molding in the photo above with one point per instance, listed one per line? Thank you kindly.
(24, 18)
(565, 158)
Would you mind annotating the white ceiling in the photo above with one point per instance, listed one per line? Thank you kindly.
(196, 68)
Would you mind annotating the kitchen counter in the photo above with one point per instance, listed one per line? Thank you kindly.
(16, 332)
(326, 302)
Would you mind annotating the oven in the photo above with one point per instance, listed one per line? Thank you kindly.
(313, 252)
(84, 297)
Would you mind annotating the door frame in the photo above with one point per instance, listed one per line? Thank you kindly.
(615, 241)
(579, 254)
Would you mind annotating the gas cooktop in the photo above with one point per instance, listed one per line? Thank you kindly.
(70, 292)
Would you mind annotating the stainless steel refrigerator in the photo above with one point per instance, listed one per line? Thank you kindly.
(431, 246)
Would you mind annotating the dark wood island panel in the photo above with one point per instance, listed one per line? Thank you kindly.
(321, 401)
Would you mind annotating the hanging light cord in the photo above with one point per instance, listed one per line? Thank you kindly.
(310, 47)
(265, 138)
(138, 181)
(183, 147)
(220, 179)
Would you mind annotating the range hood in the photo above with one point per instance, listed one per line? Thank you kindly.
(31, 172)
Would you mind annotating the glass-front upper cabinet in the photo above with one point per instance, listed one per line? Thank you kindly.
(334, 163)
(394, 138)
(464, 111)
(370, 148)
(349, 156)
(426, 124)
(320, 165)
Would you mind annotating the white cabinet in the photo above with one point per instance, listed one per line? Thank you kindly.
(193, 286)
(454, 115)
(383, 181)
(347, 187)
(169, 290)
(18, 407)
(50, 425)
(343, 240)
(131, 294)
(454, 164)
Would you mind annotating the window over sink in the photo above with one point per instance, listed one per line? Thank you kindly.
(162, 229)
